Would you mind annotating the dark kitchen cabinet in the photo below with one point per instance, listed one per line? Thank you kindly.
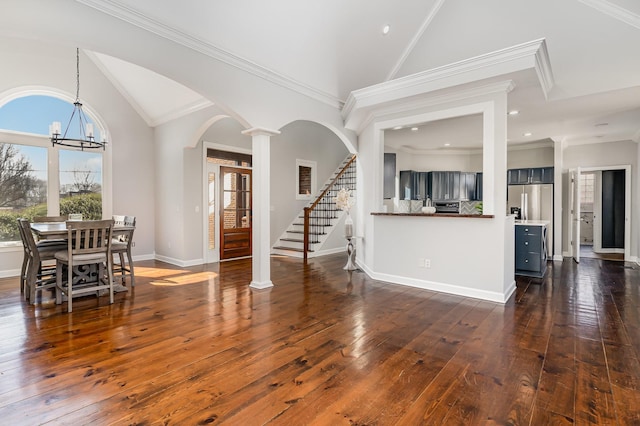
(478, 196)
(517, 176)
(467, 186)
(530, 176)
(413, 185)
(389, 187)
(406, 184)
(443, 186)
(547, 174)
(530, 250)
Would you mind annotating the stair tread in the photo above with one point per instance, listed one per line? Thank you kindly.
(302, 232)
(291, 249)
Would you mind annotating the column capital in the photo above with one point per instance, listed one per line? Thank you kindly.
(260, 131)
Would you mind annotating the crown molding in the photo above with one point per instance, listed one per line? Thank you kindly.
(543, 69)
(530, 55)
(614, 11)
(409, 106)
(416, 38)
(438, 151)
(133, 17)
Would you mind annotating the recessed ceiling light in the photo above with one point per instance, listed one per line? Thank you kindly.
(397, 128)
(386, 29)
(602, 124)
(527, 134)
(414, 129)
(514, 112)
(447, 144)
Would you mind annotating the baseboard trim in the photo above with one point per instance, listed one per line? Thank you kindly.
(10, 273)
(442, 287)
(178, 262)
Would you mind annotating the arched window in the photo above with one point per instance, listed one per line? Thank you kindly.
(37, 179)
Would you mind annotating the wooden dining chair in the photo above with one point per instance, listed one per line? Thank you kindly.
(121, 246)
(36, 274)
(42, 219)
(88, 246)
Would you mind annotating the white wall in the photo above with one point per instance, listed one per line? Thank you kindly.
(463, 162)
(34, 63)
(602, 155)
(392, 245)
(178, 204)
(521, 156)
(302, 140)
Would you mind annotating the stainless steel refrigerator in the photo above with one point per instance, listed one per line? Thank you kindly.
(535, 203)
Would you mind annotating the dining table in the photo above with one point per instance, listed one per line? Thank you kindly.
(58, 230)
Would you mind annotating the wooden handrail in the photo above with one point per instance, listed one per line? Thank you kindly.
(308, 210)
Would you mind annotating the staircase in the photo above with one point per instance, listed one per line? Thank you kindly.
(322, 215)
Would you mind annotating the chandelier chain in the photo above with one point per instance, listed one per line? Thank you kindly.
(77, 74)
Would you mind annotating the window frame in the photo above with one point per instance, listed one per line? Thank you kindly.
(314, 167)
(53, 173)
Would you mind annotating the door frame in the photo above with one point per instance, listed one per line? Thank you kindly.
(627, 208)
(574, 212)
(205, 196)
(221, 228)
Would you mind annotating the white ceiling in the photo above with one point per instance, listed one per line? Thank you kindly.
(333, 47)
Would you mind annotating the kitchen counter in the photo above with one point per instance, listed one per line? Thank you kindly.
(532, 222)
(478, 216)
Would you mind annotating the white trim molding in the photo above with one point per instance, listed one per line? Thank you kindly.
(442, 287)
(614, 11)
(136, 18)
(531, 55)
(416, 38)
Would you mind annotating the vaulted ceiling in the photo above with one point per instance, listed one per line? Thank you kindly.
(330, 48)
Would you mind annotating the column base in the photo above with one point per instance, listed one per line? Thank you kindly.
(260, 285)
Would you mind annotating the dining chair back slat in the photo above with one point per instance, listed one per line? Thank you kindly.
(89, 243)
(43, 219)
(35, 276)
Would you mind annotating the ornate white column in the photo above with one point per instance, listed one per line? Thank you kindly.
(261, 204)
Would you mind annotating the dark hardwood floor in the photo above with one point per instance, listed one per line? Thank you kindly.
(197, 346)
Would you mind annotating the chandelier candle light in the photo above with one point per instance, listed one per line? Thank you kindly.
(86, 138)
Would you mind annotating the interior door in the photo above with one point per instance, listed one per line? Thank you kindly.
(235, 212)
(575, 212)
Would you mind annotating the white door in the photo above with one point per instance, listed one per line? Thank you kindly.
(212, 238)
(574, 186)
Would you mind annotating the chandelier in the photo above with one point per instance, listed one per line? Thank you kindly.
(85, 137)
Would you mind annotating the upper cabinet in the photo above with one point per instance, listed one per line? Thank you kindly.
(413, 185)
(440, 186)
(467, 186)
(389, 189)
(443, 186)
(530, 176)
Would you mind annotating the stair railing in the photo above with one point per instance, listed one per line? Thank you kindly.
(321, 217)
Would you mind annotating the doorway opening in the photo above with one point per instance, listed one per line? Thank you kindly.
(228, 204)
(600, 211)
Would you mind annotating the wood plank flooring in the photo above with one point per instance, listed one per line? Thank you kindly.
(325, 347)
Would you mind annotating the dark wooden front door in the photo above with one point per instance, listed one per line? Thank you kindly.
(235, 214)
